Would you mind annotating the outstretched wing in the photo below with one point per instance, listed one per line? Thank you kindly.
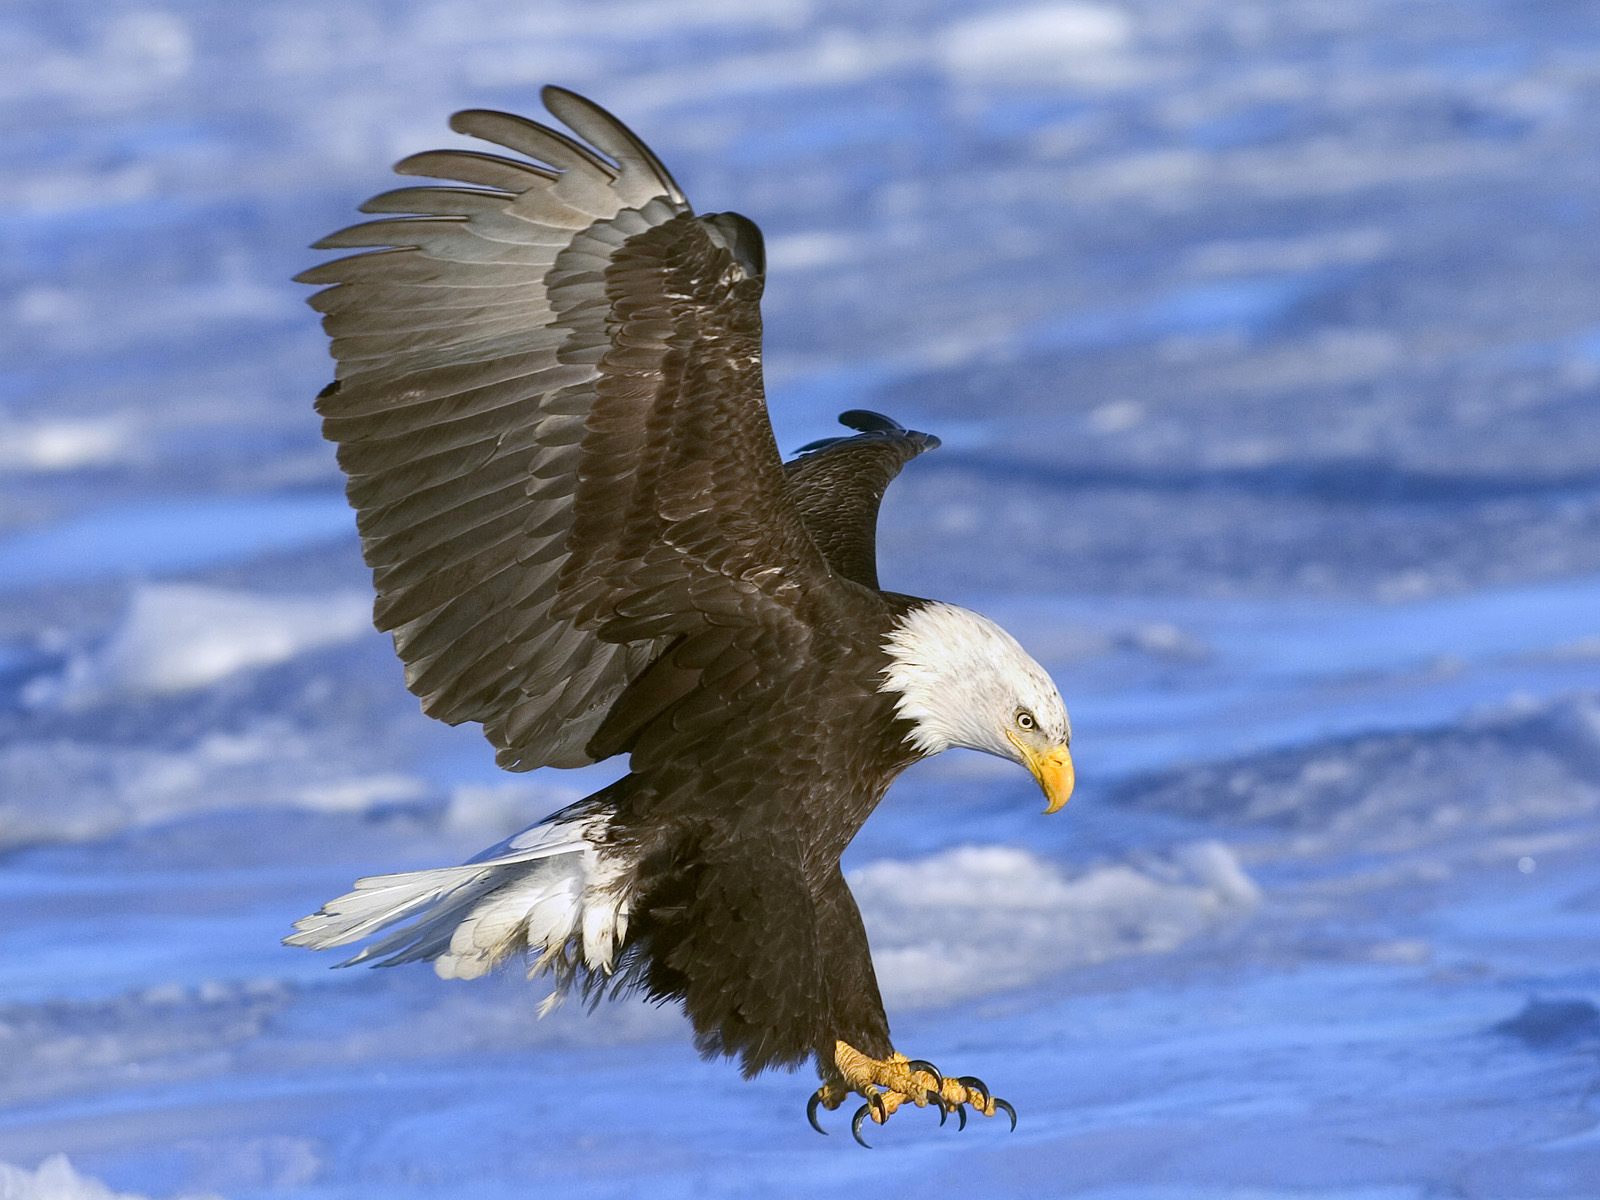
(838, 483)
(549, 405)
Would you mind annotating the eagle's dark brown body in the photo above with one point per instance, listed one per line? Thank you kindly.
(739, 846)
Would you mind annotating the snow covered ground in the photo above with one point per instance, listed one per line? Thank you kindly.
(1264, 339)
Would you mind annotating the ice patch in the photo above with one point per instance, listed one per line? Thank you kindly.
(980, 919)
(179, 637)
(1499, 772)
(57, 1180)
(60, 1046)
(1551, 1024)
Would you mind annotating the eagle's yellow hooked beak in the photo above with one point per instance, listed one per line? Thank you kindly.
(1052, 768)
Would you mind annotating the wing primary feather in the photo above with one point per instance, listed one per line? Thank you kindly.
(585, 117)
(436, 201)
(400, 232)
(531, 138)
(476, 167)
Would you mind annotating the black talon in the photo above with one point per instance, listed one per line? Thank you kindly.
(961, 1116)
(811, 1111)
(1008, 1110)
(934, 1097)
(922, 1064)
(855, 1124)
(876, 1101)
(973, 1084)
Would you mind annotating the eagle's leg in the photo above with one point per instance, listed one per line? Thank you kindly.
(887, 1083)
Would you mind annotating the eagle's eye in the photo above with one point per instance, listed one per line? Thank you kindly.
(1026, 720)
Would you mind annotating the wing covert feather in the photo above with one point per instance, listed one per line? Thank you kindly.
(838, 484)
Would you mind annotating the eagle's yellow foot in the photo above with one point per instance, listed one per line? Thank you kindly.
(888, 1083)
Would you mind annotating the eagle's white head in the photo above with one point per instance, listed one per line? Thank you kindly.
(963, 681)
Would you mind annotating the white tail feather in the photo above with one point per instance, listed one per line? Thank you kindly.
(554, 894)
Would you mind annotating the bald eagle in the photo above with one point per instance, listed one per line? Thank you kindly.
(549, 404)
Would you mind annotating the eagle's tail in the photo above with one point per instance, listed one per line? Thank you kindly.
(552, 892)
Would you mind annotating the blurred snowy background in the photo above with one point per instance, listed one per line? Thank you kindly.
(1264, 338)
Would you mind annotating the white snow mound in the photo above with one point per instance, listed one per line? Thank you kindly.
(64, 445)
(179, 637)
(56, 1180)
(979, 919)
(1046, 43)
